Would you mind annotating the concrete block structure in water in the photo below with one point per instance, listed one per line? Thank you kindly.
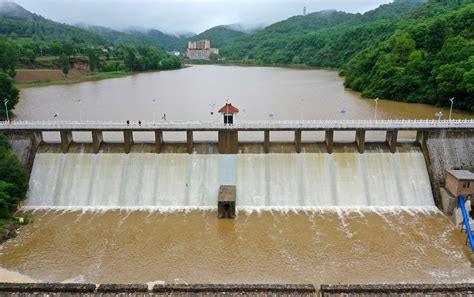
(226, 202)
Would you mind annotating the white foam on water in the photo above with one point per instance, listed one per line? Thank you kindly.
(374, 181)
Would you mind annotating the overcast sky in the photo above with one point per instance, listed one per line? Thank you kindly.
(185, 15)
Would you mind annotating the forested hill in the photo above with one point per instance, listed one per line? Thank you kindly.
(218, 36)
(15, 21)
(135, 37)
(308, 39)
(408, 50)
(430, 59)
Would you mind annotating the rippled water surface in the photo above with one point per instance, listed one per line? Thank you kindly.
(193, 92)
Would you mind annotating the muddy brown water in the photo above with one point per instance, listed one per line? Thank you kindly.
(328, 247)
(194, 92)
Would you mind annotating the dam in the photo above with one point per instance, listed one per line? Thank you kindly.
(111, 212)
(182, 181)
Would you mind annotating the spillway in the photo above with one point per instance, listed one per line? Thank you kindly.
(264, 181)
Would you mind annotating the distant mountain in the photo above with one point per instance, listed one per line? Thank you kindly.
(15, 21)
(156, 37)
(18, 22)
(14, 11)
(246, 28)
(134, 36)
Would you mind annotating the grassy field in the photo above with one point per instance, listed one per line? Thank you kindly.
(38, 77)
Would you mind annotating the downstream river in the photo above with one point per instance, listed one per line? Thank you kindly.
(369, 218)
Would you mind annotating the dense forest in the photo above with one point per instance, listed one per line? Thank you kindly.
(429, 61)
(28, 37)
(408, 50)
(29, 41)
(219, 36)
(13, 185)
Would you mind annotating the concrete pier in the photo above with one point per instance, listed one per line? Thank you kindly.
(266, 141)
(36, 140)
(298, 141)
(189, 141)
(228, 142)
(391, 139)
(97, 139)
(421, 137)
(360, 140)
(329, 140)
(127, 140)
(66, 140)
(158, 140)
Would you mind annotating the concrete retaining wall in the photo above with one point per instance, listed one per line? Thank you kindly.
(448, 150)
(51, 289)
(21, 145)
(398, 290)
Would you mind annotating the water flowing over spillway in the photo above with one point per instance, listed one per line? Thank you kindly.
(180, 181)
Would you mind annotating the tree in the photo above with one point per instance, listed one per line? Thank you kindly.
(64, 61)
(8, 56)
(213, 57)
(94, 59)
(9, 92)
(13, 182)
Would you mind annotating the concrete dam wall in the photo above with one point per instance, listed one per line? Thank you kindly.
(264, 181)
(449, 150)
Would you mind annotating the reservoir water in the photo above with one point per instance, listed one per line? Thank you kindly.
(302, 218)
(194, 92)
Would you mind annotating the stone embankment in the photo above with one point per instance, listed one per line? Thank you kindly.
(51, 289)
(397, 290)
(59, 289)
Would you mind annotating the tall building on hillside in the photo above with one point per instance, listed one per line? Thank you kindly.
(200, 50)
(304, 10)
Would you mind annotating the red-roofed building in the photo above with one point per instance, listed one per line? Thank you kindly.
(228, 110)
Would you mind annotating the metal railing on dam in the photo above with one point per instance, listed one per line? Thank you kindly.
(228, 134)
(247, 125)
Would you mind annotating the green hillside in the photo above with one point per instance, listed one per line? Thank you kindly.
(428, 61)
(218, 36)
(408, 50)
(322, 39)
(135, 37)
(17, 22)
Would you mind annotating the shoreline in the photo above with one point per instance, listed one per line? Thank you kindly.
(96, 76)
(242, 64)
(93, 77)
(9, 231)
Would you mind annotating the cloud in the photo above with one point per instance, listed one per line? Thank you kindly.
(189, 15)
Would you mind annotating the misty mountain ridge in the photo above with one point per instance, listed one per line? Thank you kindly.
(15, 11)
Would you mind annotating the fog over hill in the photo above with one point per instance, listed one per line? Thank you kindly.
(186, 15)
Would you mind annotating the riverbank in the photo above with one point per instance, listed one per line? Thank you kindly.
(8, 230)
(92, 76)
(250, 64)
(78, 79)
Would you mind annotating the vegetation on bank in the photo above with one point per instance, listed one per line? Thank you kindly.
(89, 77)
(13, 186)
(100, 61)
(428, 62)
(408, 50)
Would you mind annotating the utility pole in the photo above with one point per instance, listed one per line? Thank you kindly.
(376, 105)
(6, 109)
(451, 108)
